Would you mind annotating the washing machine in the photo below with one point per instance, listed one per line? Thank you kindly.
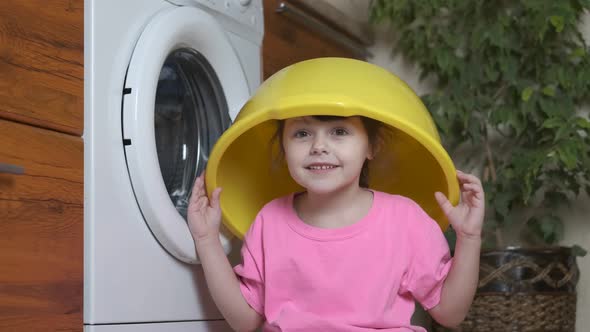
(163, 80)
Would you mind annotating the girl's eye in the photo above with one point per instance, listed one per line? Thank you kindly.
(340, 132)
(301, 134)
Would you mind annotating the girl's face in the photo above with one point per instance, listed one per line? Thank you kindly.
(326, 156)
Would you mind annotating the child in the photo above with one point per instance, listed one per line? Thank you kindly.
(339, 256)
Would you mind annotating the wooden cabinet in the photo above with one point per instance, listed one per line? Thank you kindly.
(293, 32)
(41, 230)
(41, 120)
(41, 63)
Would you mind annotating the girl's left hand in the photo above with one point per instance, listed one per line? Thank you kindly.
(467, 217)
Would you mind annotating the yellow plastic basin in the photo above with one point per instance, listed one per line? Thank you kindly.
(412, 163)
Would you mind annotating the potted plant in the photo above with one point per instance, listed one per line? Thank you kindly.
(510, 79)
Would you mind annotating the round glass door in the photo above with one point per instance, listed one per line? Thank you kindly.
(190, 115)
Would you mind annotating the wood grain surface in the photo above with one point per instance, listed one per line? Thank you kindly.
(41, 63)
(287, 41)
(41, 230)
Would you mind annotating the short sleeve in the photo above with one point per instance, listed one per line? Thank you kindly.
(430, 259)
(251, 270)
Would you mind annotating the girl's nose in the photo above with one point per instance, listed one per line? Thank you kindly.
(318, 146)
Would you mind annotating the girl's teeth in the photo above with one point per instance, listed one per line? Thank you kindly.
(321, 167)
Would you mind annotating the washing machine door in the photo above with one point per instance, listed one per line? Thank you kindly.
(183, 88)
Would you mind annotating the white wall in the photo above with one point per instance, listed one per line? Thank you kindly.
(576, 217)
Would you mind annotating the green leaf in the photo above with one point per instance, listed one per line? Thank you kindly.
(562, 132)
(443, 60)
(501, 203)
(496, 34)
(551, 228)
(527, 93)
(478, 36)
(552, 123)
(583, 123)
(549, 91)
(550, 107)
(578, 251)
(563, 78)
(491, 73)
(517, 122)
(567, 157)
(576, 54)
(509, 68)
(557, 22)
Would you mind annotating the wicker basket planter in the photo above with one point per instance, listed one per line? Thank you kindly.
(524, 290)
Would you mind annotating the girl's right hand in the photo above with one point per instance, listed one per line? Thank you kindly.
(204, 215)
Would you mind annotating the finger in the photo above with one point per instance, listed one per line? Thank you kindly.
(201, 203)
(473, 187)
(215, 198)
(472, 200)
(197, 191)
(201, 189)
(477, 195)
(473, 197)
(198, 183)
(203, 185)
(467, 178)
(444, 203)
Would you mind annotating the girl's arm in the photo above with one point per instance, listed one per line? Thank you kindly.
(204, 218)
(467, 221)
(460, 285)
(225, 287)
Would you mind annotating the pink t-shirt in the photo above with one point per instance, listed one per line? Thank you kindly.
(356, 278)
